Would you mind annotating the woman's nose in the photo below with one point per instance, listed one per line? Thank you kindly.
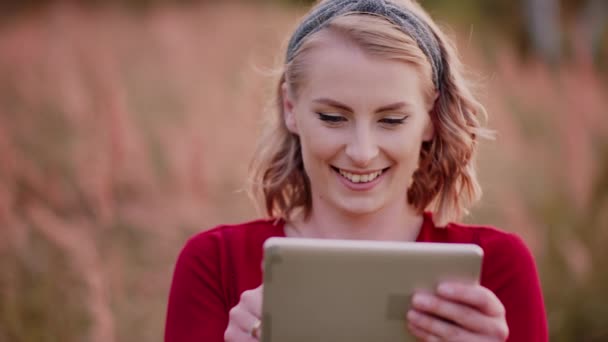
(362, 148)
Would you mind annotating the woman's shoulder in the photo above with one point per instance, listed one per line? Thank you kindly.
(254, 227)
(485, 236)
(505, 253)
(498, 244)
(253, 232)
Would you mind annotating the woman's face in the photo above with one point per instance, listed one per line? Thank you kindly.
(361, 121)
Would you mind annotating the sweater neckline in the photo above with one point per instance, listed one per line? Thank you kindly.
(423, 233)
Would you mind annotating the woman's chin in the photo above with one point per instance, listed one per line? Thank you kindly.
(359, 207)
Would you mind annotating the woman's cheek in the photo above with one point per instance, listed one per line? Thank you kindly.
(323, 142)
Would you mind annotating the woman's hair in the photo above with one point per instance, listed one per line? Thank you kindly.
(445, 181)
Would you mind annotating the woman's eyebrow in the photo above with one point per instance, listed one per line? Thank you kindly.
(391, 107)
(333, 103)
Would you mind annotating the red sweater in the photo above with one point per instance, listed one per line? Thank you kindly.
(217, 265)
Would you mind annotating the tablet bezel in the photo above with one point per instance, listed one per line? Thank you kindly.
(310, 266)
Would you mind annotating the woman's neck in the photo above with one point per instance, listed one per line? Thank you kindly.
(395, 223)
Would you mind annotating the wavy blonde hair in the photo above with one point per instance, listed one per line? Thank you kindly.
(445, 181)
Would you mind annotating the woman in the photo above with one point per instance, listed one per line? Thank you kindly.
(375, 139)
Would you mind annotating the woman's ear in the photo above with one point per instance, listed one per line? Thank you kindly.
(288, 108)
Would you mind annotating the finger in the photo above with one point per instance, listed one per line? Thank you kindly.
(242, 318)
(256, 301)
(438, 328)
(420, 334)
(462, 315)
(238, 336)
(475, 296)
(252, 301)
(238, 330)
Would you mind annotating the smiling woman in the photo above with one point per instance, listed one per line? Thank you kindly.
(374, 138)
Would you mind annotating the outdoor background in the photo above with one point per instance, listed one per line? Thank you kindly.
(127, 126)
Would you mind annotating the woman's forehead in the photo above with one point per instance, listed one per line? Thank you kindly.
(337, 69)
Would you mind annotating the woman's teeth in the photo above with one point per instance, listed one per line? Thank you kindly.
(360, 178)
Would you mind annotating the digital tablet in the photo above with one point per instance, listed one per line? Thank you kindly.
(323, 290)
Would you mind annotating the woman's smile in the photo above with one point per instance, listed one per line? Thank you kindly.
(360, 180)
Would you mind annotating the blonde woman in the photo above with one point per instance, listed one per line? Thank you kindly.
(374, 137)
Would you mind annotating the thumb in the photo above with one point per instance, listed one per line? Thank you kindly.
(257, 300)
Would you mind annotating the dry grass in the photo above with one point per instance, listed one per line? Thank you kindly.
(121, 135)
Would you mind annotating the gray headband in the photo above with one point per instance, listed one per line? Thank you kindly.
(405, 19)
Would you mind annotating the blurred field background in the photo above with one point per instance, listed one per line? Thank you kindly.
(127, 126)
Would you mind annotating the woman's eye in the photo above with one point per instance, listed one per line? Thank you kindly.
(331, 118)
(393, 121)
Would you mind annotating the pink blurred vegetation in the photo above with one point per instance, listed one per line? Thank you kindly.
(121, 135)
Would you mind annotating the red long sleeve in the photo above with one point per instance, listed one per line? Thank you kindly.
(511, 274)
(212, 271)
(197, 308)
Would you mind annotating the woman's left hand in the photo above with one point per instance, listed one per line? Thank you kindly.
(458, 312)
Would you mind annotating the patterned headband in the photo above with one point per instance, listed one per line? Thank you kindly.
(405, 19)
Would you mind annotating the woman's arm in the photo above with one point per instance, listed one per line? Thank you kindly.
(514, 279)
(197, 310)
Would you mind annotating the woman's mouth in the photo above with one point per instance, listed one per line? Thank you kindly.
(358, 178)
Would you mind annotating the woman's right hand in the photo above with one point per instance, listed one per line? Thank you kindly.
(244, 321)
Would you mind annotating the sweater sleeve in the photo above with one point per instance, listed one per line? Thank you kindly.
(512, 276)
(197, 309)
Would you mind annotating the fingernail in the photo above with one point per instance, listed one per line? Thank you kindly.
(421, 300)
(413, 315)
